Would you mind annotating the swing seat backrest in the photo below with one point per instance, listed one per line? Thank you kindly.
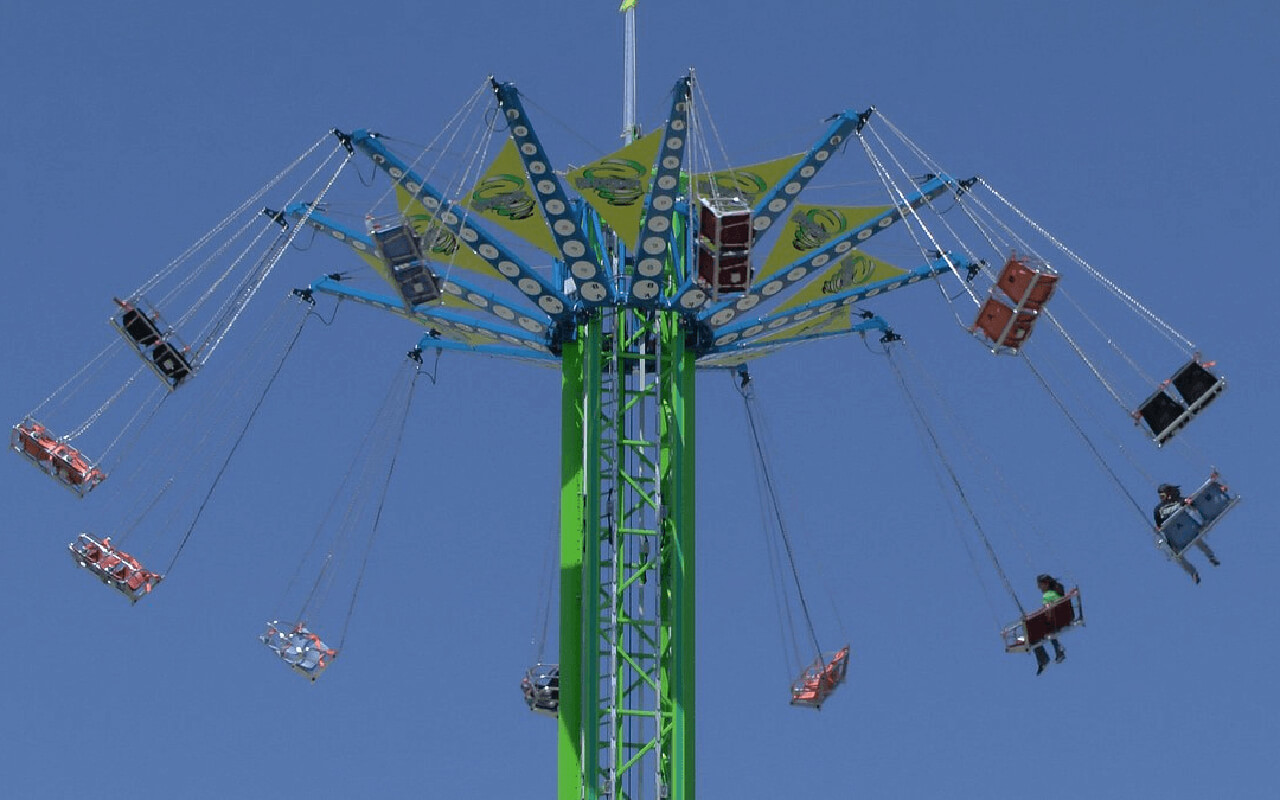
(1002, 326)
(1196, 384)
(1050, 619)
(1028, 287)
(1180, 530)
(1211, 500)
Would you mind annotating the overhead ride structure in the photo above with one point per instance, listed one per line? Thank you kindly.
(653, 278)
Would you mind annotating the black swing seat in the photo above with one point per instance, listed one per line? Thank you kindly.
(157, 343)
(1199, 513)
(401, 250)
(541, 689)
(298, 647)
(820, 679)
(1196, 387)
(1046, 621)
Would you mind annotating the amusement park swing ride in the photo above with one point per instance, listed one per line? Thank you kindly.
(629, 274)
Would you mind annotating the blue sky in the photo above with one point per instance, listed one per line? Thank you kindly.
(1142, 136)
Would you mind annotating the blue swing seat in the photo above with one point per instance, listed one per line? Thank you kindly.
(1199, 513)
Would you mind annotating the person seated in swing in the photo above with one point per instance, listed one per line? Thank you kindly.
(1172, 501)
(1051, 591)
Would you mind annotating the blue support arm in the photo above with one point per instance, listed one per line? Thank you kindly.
(655, 228)
(430, 341)
(461, 326)
(746, 331)
(593, 280)
(721, 355)
(776, 201)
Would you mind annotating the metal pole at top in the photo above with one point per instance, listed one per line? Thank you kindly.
(628, 8)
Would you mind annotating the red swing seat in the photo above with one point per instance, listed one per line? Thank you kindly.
(820, 679)
(114, 567)
(1046, 621)
(60, 460)
(1012, 307)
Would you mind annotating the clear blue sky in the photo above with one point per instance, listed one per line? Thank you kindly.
(1141, 134)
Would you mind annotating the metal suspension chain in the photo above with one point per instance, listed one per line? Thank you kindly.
(748, 401)
(239, 439)
(382, 500)
(955, 480)
(1156, 322)
(1085, 436)
(253, 200)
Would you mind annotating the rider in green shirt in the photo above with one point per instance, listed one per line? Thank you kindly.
(1051, 591)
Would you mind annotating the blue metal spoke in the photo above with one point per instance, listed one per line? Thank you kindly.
(592, 279)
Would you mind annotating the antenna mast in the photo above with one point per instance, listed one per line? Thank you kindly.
(628, 8)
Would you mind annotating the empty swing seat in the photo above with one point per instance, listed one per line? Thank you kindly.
(171, 363)
(417, 284)
(1046, 621)
(158, 345)
(1200, 512)
(139, 328)
(1024, 284)
(725, 237)
(1027, 281)
(397, 244)
(298, 647)
(114, 567)
(1004, 327)
(401, 250)
(820, 679)
(541, 689)
(58, 459)
(1164, 415)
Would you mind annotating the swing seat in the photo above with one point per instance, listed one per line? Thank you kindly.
(1164, 415)
(140, 329)
(139, 322)
(33, 440)
(820, 679)
(1004, 327)
(417, 284)
(298, 647)
(1200, 512)
(60, 460)
(158, 345)
(724, 272)
(1197, 385)
(397, 244)
(1034, 628)
(115, 568)
(541, 689)
(725, 237)
(1027, 281)
(171, 363)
